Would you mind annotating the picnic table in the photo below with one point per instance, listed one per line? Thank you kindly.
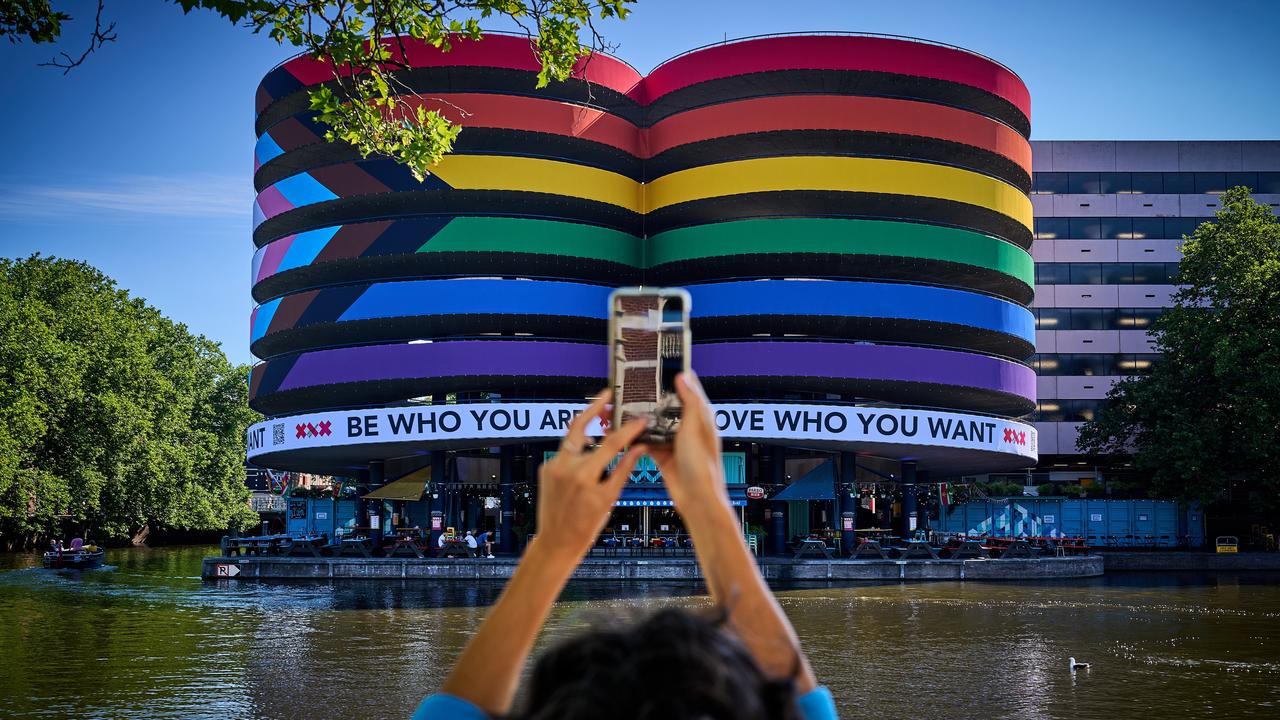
(313, 544)
(812, 546)
(970, 548)
(869, 549)
(918, 548)
(255, 544)
(406, 545)
(457, 548)
(1017, 549)
(360, 546)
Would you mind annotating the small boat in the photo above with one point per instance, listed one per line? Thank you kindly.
(79, 556)
(74, 560)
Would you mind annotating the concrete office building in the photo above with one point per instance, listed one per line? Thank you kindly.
(1109, 217)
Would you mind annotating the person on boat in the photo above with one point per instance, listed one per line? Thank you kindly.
(55, 545)
(742, 661)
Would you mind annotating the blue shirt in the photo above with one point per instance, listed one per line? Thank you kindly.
(816, 704)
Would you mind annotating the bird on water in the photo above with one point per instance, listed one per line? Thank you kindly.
(1077, 665)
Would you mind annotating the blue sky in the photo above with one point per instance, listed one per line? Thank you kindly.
(139, 162)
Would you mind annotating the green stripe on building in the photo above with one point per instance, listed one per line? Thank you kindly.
(841, 236)
(544, 237)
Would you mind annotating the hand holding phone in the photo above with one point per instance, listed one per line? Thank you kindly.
(649, 342)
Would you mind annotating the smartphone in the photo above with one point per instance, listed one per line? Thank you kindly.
(649, 343)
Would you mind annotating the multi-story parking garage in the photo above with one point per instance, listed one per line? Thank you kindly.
(849, 214)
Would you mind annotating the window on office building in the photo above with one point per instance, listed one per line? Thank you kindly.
(1052, 319)
(1083, 183)
(1176, 183)
(1149, 274)
(1086, 364)
(1051, 228)
(1117, 273)
(1080, 410)
(1138, 318)
(1210, 182)
(1146, 183)
(1115, 228)
(1138, 364)
(1048, 183)
(1247, 179)
(1050, 411)
(1085, 228)
(1175, 228)
(1052, 274)
(1085, 273)
(1114, 182)
(1148, 228)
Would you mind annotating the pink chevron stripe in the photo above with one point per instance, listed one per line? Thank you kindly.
(273, 202)
(272, 257)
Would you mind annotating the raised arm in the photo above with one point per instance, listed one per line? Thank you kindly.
(574, 501)
(694, 475)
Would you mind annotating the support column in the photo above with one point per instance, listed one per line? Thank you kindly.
(778, 523)
(910, 511)
(362, 506)
(925, 521)
(507, 510)
(375, 509)
(847, 506)
(438, 487)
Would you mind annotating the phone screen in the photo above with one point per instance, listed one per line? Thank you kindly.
(649, 345)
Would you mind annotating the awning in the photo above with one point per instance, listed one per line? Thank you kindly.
(633, 496)
(817, 484)
(409, 487)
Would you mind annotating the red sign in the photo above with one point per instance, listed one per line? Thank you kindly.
(755, 492)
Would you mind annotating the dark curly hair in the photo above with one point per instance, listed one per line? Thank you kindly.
(674, 665)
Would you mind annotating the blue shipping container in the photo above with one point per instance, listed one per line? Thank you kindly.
(1103, 523)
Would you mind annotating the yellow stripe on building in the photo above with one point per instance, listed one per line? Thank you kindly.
(491, 172)
(848, 174)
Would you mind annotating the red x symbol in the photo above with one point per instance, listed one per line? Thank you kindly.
(324, 428)
(302, 430)
(1013, 436)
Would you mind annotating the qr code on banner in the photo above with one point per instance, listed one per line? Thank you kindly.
(277, 434)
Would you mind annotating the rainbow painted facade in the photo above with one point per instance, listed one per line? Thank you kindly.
(848, 212)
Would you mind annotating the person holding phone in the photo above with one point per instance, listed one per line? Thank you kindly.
(742, 662)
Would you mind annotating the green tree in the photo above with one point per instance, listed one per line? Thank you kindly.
(1205, 423)
(113, 419)
(363, 43)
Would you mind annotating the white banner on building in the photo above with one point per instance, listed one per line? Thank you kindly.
(529, 421)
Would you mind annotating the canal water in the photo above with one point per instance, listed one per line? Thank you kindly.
(145, 638)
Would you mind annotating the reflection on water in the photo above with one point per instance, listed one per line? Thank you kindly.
(145, 638)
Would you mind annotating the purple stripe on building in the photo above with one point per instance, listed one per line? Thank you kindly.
(871, 362)
(739, 359)
(446, 359)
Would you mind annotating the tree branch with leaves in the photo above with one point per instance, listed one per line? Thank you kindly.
(364, 42)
